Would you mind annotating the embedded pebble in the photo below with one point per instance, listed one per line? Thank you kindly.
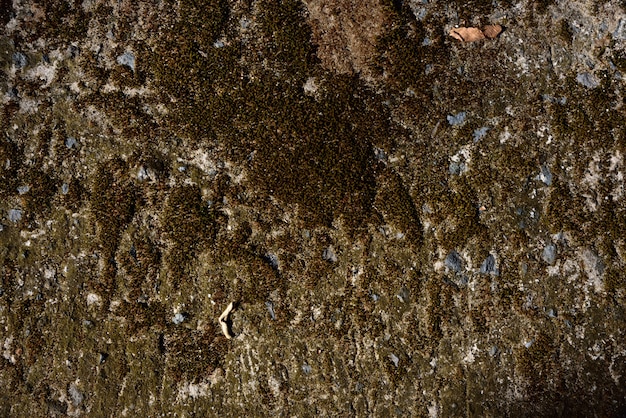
(65, 188)
(549, 253)
(270, 308)
(306, 368)
(23, 189)
(403, 295)
(71, 142)
(620, 30)
(76, 396)
(545, 176)
(489, 265)
(272, 259)
(178, 318)
(329, 255)
(395, 360)
(588, 80)
(457, 119)
(142, 174)
(454, 262)
(480, 133)
(19, 59)
(127, 59)
(456, 168)
(15, 215)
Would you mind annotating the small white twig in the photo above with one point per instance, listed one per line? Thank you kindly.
(223, 321)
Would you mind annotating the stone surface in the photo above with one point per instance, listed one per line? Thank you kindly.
(405, 224)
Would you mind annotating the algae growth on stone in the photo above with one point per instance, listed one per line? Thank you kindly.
(405, 224)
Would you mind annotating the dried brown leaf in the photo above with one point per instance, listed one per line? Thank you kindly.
(474, 34)
(467, 34)
(492, 31)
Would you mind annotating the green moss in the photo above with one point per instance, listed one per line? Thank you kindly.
(290, 44)
(458, 207)
(193, 355)
(76, 193)
(314, 154)
(65, 21)
(6, 9)
(188, 68)
(42, 189)
(113, 204)
(189, 224)
(542, 5)
(140, 259)
(10, 163)
(128, 113)
(538, 362)
(398, 206)
(564, 31)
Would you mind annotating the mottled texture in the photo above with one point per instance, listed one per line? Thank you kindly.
(405, 224)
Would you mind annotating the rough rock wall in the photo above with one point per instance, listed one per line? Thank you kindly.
(407, 224)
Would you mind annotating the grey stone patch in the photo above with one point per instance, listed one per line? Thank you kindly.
(71, 142)
(458, 119)
(380, 154)
(306, 368)
(218, 44)
(489, 265)
(549, 253)
(13, 94)
(493, 351)
(75, 395)
(72, 51)
(244, 22)
(403, 295)
(454, 262)
(588, 80)
(272, 259)
(394, 359)
(545, 175)
(480, 133)
(375, 297)
(593, 264)
(142, 174)
(458, 280)
(127, 59)
(456, 169)
(23, 189)
(620, 31)
(270, 308)
(19, 60)
(15, 215)
(529, 344)
(558, 100)
(551, 313)
(178, 318)
(1, 227)
(426, 41)
(65, 188)
(329, 255)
